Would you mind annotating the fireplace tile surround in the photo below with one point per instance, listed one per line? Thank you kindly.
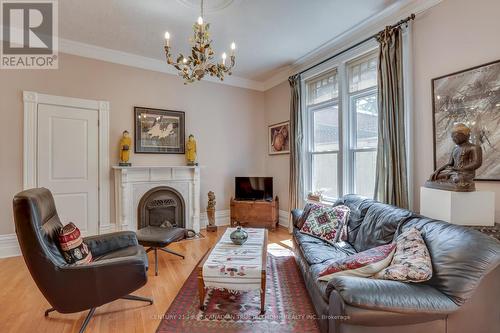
(132, 183)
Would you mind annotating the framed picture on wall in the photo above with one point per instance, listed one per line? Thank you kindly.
(159, 131)
(279, 138)
(472, 97)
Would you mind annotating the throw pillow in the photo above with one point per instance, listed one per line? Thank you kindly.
(325, 223)
(305, 213)
(74, 250)
(343, 230)
(362, 264)
(411, 261)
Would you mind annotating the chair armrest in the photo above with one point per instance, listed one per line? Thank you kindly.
(296, 214)
(387, 295)
(102, 244)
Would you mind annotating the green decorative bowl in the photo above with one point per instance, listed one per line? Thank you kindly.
(239, 236)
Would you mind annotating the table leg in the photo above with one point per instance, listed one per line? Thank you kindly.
(201, 289)
(263, 293)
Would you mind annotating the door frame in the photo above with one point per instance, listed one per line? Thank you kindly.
(31, 101)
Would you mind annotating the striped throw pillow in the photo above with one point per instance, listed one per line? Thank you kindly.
(74, 250)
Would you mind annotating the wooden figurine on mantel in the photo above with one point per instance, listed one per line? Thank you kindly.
(211, 212)
(191, 150)
(125, 146)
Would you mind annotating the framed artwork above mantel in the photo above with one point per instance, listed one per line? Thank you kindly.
(470, 96)
(159, 131)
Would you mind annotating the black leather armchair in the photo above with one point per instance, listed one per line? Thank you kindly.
(72, 288)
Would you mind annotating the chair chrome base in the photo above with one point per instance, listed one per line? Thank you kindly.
(164, 249)
(92, 310)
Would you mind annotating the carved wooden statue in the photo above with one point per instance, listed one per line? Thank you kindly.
(191, 150)
(211, 212)
(458, 174)
(125, 146)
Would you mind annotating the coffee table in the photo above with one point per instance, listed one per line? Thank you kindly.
(236, 268)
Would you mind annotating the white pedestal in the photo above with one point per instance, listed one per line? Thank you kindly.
(465, 208)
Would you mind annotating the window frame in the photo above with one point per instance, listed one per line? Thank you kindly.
(346, 114)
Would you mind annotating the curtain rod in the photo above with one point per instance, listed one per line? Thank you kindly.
(403, 21)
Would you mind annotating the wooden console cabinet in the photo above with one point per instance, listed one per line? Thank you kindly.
(258, 213)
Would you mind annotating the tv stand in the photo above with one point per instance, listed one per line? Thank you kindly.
(255, 213)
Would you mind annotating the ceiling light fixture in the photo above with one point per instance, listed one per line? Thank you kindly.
(194, 67)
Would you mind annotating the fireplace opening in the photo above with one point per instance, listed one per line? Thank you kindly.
(161, 206)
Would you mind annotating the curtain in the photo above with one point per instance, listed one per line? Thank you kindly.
(296, 143)
(391, 185)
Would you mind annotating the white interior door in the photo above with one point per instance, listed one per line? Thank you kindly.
(68, 162)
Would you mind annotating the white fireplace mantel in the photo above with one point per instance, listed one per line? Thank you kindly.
(131, 183)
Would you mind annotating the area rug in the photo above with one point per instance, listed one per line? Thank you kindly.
(288, 307)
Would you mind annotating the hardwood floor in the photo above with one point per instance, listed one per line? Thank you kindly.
(22, 304)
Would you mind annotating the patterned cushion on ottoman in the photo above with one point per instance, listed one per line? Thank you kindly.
(411, 261)
(363, 264)
(326, 223)
(74, 250)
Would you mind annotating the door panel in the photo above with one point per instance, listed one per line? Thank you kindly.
(68, 162)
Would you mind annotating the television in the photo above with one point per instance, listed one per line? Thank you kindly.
(254, 188)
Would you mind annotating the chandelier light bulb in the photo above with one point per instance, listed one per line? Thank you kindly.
(200, 20)
(233, 46)
(167, 39)
(224, 56)
(184, 60)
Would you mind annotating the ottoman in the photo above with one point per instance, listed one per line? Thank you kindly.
(157, 238)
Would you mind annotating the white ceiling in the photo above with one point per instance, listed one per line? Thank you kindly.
(270, 34)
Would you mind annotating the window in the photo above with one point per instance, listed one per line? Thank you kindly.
(342, 129)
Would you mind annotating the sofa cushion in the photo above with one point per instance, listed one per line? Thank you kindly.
(319, 253)
(305, 213)
(326, 222)
(411, 261)
(389, 295)
(461, 257)
(363, 264)
(379, 225)
(358, 207)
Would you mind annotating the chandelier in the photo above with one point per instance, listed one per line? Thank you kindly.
(200, 62)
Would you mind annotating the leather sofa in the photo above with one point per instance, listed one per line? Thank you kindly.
(463, 294)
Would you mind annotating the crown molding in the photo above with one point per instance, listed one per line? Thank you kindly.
(377, 22)
(128, 59)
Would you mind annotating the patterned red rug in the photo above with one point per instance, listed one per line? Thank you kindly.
(288, 307)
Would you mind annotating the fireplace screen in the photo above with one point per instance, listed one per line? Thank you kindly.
(161, 206)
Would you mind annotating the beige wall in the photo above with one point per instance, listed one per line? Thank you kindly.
(277, 106)
(454, 35)
(227, 121)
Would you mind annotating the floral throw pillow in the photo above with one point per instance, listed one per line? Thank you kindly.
(326, 222)
(363, 264)
(411, 261)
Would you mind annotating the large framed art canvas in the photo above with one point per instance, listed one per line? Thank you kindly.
(159, 131)
(470, 96)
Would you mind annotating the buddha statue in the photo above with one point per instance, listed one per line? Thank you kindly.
(459, 173)
(125, 145)
(191, 150)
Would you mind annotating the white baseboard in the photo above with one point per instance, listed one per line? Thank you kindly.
(283, 218)
(9, 247)
(222, 218)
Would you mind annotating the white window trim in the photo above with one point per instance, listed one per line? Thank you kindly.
(339, 63)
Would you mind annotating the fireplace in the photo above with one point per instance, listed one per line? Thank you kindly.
(161, 206)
